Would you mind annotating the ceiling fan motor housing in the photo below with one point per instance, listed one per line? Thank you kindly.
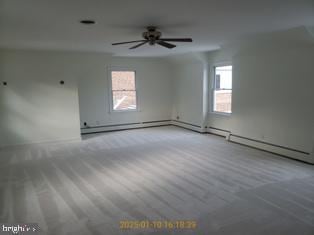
(152, 35)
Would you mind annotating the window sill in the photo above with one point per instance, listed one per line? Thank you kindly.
(221, 113)
(125, 111)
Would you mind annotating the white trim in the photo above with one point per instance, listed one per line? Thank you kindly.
(118, 68)
(212, 86)
(187, 126)
(91, 130)
(220, 113)
(273, 149)
(215, 131)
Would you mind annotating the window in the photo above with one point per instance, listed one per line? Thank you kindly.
(222, 89)
(123, 91)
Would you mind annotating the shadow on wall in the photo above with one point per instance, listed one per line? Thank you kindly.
(34, 112)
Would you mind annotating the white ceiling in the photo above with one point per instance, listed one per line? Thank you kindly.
(53, 24)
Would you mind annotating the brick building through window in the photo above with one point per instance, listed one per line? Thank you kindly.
(123, 89)
(222, 95)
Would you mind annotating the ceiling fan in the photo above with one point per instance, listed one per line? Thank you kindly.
(152, 37)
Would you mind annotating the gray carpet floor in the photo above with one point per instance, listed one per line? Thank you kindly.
(155, 174)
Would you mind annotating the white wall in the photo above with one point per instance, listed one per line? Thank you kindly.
(219, 57)
(154, 90)
(190, 88)
(273, 97)
(272, 91)
(34, 107)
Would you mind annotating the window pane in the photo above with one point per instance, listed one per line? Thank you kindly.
(222, 100)
(223, 77)
(217, 82)
(123, 80)
(124, 100)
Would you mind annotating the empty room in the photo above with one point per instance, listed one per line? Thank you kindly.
(157, 117)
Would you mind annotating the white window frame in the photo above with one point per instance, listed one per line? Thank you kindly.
(113, 69)
(213, 88)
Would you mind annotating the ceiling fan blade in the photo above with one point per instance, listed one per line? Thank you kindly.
(165, 44)
(177, 39)
(138, 45)
(119, 43)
